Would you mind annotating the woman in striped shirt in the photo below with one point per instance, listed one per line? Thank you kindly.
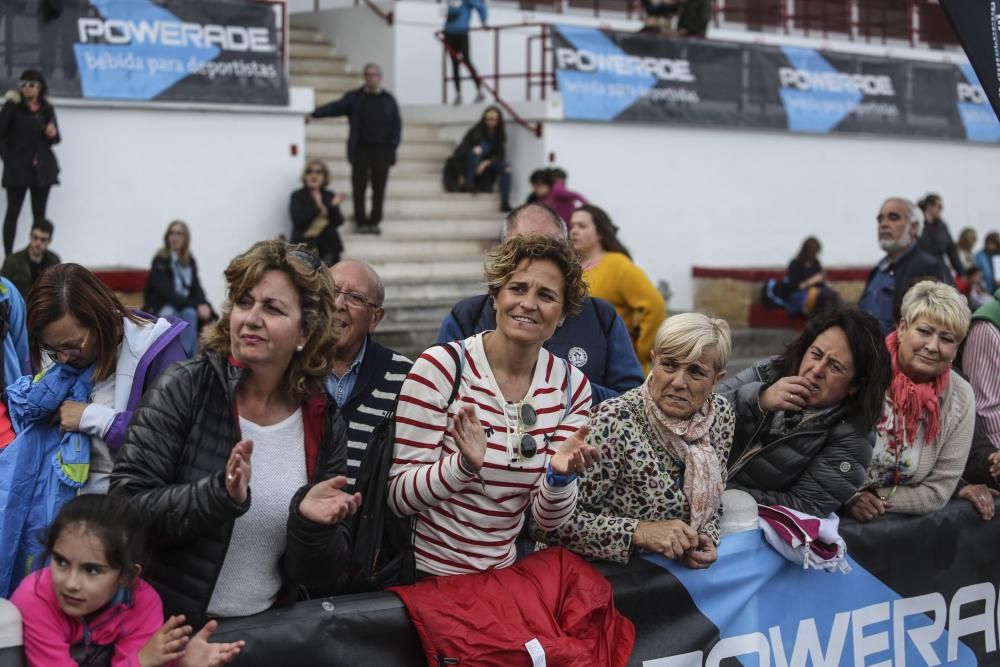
(513, 438)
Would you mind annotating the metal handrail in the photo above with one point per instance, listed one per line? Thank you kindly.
(543, 77)
(282, 30)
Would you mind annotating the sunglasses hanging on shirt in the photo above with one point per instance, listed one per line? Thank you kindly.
(525, 416)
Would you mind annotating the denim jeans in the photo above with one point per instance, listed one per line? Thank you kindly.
(188, 337)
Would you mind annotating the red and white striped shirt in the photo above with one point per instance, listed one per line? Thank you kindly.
(981, 363)
(468, 523)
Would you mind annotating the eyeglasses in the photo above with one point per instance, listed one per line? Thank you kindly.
(29, 84)
(316, 171)
(354, 299)
(527, 446)
(308, 258)
(72, 352)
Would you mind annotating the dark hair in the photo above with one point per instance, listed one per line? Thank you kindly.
(872, 366)
(606, 230)
(43, 225)
(541, 176)
(70, 289)
(556, 173)
(43, 86)
(929, 200)
(972, 270)
(112, 519)
(992, 238)
(500, 133)
(809, 251)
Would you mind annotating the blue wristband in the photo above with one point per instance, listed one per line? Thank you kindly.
(555, 479)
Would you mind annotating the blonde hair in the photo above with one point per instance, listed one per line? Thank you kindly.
(321, 165)
(310, 367)
(688, 336)
(939, 303)
(184, 256)
(504, 260)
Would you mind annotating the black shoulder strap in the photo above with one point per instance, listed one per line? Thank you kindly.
(459, 358)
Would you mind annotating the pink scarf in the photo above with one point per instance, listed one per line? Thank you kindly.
(913, 401)
(688, 441)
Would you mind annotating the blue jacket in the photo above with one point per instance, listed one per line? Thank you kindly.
(460, 13)
(41, 469)
(16, 361)
(349, 105)
(985, 263)
(595, 341)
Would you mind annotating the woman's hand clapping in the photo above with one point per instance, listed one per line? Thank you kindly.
(574, 454)
(327, 504)
(469, 438)
(238, 471)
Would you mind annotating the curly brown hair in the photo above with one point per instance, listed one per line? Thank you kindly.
(309, 368)
(506, 257)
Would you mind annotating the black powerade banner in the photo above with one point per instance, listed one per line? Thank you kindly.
(922, 591)
(169, 50)
(977, 24)
(613, 76)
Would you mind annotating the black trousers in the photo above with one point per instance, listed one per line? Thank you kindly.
(15, 200)
(371, 164)
(459, 44)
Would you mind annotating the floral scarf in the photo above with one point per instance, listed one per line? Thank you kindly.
(688, 441)
(914, 401)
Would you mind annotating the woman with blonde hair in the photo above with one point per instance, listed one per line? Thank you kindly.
(315, 212)
(253, 401)
(173, 287)
(663, 448)
(928, 414)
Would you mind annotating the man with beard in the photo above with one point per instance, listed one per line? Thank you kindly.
(899, 222)
(366, 376)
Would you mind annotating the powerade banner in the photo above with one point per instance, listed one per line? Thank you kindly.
(604, 75)
(922, 591)
(170, 50)
(977, 24)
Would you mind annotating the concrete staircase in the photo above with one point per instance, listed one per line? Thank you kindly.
(433, 244)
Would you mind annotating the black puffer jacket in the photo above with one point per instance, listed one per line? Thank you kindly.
(172, 464)
(815, 468)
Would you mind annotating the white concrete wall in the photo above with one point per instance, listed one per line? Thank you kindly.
(129, 169)
(687, 196)
(362, 36)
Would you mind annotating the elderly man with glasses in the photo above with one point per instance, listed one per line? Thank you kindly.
(366, 376)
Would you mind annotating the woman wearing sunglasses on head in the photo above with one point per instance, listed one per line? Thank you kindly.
(28, 130)
(315, 212)
(76, 320)
(236, 457)
(513, 438)
(663, 448)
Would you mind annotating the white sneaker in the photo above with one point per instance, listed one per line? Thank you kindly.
(480, 97)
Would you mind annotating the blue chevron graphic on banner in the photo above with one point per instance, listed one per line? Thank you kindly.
(597, 95)
(140, 70)
(980, 122)
(815, 110)
(771, 612)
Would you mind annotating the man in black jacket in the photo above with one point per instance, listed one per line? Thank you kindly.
(899, 222)
(366, 376)
(376, 128)
(23, 268)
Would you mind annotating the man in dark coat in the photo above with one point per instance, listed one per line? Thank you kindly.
(899, 222)
(23, 267)
(376, 128)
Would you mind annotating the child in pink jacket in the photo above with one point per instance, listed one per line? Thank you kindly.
(89, 606)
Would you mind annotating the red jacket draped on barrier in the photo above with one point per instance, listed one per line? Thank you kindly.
(491, 619)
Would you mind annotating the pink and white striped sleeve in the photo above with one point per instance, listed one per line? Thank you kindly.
(981, 363)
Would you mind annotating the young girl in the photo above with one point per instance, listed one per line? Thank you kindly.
(89, 606)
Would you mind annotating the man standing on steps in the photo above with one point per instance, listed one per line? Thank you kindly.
(595, 340)
(371, 145)
(366, 376)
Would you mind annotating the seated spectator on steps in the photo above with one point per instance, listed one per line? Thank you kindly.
(808, 291)
(663, 449)
(560, 198)
(252, 403)
(612, 275)
(988, 259)
(594, 340)
(925, 431)
(173, 287)
(513, 438)
(541, 183)
(366, 376)
(315, 212)
(23, 267)
(803, 419)
(481, 159)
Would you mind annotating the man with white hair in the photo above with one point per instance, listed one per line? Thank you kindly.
(899, 222)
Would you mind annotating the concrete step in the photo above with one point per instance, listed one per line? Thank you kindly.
(453, 289)
(324, 66)
(439, 208)
(337, 129)
(438, 150)
(340, 169)
(405, 229)
(387, 246)
(326, 84)
(408, 338)
(310, 49)
(300, 34)
(418, 268)
(417, 311)
(752, 344)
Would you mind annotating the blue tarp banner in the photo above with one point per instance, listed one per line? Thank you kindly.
(605, 75)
